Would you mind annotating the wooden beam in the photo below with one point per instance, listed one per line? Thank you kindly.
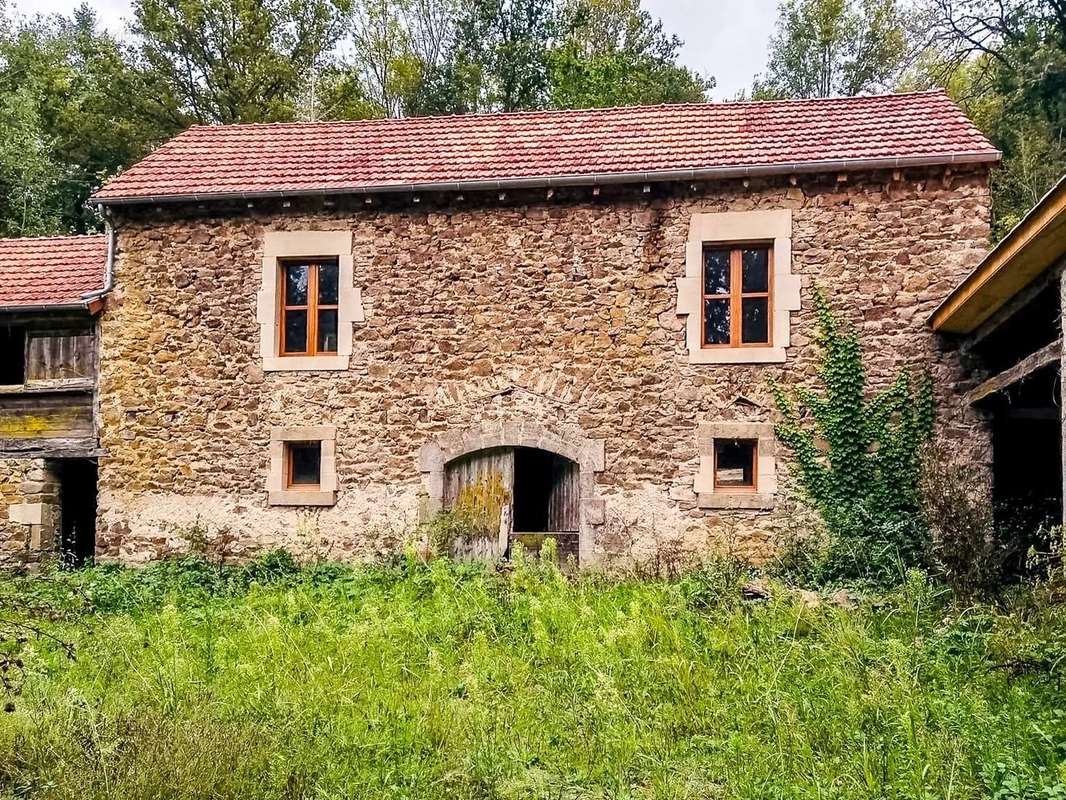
(49, 448)
(1033, 245)
(1045, 356)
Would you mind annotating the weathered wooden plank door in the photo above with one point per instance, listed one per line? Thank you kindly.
(480, 488)
(564, 497)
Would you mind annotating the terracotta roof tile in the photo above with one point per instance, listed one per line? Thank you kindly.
(51, 271)
(365, 155)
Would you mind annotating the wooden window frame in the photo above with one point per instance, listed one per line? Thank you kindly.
(737, 295)
(754, 487)
(290, 486)
(312, 307)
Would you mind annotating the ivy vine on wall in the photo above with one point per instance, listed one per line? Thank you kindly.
(859, 456)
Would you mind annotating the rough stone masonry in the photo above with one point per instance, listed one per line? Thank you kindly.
(555, 316)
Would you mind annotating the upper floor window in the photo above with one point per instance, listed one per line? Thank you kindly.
(737, 291)
(308, 301)
(309, 306)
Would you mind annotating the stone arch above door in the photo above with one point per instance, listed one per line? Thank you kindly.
(588, 454)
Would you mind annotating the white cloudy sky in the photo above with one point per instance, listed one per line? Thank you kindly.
(723, 38)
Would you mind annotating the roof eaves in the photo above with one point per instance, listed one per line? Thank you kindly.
(995, 260)
(591, 179)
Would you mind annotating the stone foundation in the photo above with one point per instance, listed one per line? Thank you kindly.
(558, 313)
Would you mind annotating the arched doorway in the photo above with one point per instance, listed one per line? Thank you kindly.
(517, 494)
(547, 476)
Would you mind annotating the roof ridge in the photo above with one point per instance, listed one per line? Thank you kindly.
(482, 115)
(54, 238)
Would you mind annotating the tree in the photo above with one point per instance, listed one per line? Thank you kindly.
(613, 53)
(1004, 61)
(834, 47)
(212, 61)
(65, 86)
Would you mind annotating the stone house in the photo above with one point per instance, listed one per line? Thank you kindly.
(318, 334)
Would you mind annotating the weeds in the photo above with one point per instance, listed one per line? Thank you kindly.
(416, 679)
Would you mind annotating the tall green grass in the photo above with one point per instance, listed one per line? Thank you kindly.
(453, 681)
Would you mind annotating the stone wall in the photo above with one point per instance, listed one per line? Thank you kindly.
(29, 512)
(484, 312)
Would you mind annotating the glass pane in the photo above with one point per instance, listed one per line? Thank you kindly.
(327, 331)
(296, 284)
(305, 460)
(716, 272)
(295, 332)
(734, 460)
(327, 285)
(755, 268)
(754, 325)
(716, 322)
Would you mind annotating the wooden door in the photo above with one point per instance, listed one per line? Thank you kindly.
(479, 489)
(564, 498)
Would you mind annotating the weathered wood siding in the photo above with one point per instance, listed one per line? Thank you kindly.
(60, 357)
(46, 415)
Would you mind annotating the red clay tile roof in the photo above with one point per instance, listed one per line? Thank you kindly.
(553, 147)
(51, 271)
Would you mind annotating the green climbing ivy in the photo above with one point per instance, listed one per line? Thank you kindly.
(859, 457)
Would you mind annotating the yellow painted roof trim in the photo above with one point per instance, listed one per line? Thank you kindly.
(1032, 246)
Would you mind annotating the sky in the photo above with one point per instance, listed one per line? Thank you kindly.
(723, 38)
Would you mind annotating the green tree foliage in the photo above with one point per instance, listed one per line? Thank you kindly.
(613, 53)
(859, 457)
(834, 47)
(1005, 62)
(461, 56)
(65, 92)
(211, 61)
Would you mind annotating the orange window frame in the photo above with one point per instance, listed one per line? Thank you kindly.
(290, 485)
(737, 295)
(312, 307)
(732, 487)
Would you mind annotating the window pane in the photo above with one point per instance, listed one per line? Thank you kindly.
(305, 461)
(734, 460)
(296, 284)
(716, 322)
(755, 267)
(754, 324)
(327, 331)
(716, 272)
(295, 332)
(327, 285)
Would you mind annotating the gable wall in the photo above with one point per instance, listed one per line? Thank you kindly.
(560, 313)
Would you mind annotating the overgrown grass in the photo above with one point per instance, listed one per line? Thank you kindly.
(452, 681)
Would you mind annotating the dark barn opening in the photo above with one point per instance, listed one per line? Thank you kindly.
(533, 495)
(77, 479)
(12, 355)
(1027, 463)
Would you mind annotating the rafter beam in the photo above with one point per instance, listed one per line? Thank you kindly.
(1051, 354)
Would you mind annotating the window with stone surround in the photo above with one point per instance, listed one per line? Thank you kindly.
(303, 470)
(308, 302)
(738, 291)
(738, 466)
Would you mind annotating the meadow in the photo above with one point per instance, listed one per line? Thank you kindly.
(446, 680)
